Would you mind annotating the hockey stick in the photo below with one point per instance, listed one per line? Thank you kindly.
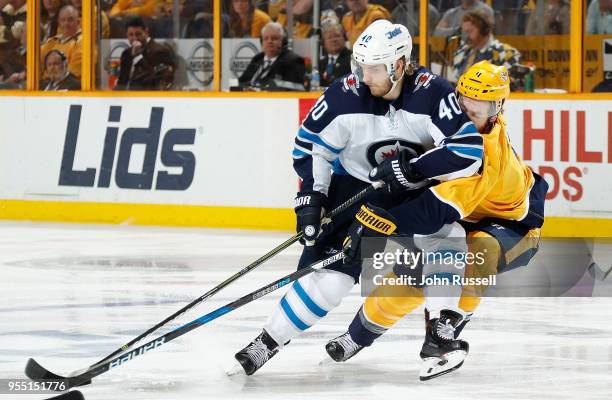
(342, 207)
(36, 372)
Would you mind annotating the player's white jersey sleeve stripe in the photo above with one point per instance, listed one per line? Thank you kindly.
(297, 153)
(469, 171)
(436, 134)
(446, 201)
(468, 151)
(466, 135)
(467, 129)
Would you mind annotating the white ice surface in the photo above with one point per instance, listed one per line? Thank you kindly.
(71, 294)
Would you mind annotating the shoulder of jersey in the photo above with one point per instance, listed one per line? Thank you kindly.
(424, 81)
(423, 91)
(346, 95)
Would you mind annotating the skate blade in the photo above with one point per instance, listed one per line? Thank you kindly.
(234, 370)
(433, 367)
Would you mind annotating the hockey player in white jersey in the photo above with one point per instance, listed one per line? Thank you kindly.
(386, 108)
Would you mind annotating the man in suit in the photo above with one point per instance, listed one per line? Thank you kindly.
(59, 76)
(146, 64)
(337, 59)
(69, 39)
(275, 68)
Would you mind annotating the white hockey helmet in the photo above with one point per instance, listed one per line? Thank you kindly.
(382, 42)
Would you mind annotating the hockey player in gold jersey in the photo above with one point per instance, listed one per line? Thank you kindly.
(502, 211)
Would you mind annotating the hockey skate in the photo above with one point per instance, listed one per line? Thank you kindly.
(257, 353)
(441, 352)
(342, 348)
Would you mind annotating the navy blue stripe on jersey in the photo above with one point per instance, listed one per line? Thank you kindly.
(301, 149)
(424, 215)
(303, 167)
(304, 145)
(306, 136)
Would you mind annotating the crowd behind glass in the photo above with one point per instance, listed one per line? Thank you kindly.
(140, 44)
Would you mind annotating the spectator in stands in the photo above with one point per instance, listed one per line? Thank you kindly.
(164, 25)
(12, 60)
(599, 17)
(361, 15)
(276, 67)
(478, 43)
(78, 4)
(201, 20)
(302, 18)
(274, 8)
(337, 59)
(59, 77)
(102, 14)
(550, 17)
(245, 20)
(146, 64)
(407, 14)
(143, 8)
(68, 40)
(14, 11)
(450, 24)
(49, 13)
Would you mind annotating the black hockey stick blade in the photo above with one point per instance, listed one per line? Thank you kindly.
(72, 395)
(37, 372)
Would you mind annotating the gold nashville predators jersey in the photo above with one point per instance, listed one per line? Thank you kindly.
(501, 190)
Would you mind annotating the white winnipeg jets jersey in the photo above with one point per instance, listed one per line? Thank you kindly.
(349, 131)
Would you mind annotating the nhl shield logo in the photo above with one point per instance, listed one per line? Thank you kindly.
(350, 82)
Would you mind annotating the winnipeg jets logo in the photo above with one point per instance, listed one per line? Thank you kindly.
(380, 151)
(350, 82)
(423, 80)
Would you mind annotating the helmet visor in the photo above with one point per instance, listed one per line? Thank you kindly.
(373, 72)
(477, 109)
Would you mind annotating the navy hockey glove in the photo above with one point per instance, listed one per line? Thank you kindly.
(398, 173)
(370, 221)
(309, 209)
